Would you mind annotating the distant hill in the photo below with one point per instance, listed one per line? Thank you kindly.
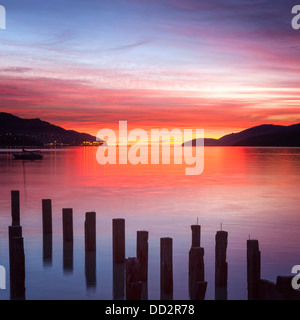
(15, 131)
(267, 135)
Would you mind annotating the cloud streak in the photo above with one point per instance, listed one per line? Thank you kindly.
(130, 46)
(220, 64)
(80, 105)
(15, 69)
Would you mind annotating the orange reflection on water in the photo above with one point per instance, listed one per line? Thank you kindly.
(249, 190)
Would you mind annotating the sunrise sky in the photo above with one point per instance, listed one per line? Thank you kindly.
(217, 65)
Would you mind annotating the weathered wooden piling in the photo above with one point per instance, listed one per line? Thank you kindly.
(68, 257)
(166, 268)
(67, 240)
(253, 269)
(144, 295)
(13, 232)
(90, 269)
(196, 269)
(47, 249)
(47, 216)
(90, 231)
(196, 235)
(118, 237)
(90, 249)
(142, 253)
(68, 225)
(16, 263)
(118, 281)
(47, 231)
(15, 208)
(221, 267)
(18, 276)
(198, 290)
(118, 240)
(16, 251)
(133, 284)
(197, 283)
(221, 293)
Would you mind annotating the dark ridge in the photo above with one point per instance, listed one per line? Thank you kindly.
(267, 135)
(15, 131)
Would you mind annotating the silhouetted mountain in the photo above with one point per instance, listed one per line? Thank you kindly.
(264, 135)
(15, 131)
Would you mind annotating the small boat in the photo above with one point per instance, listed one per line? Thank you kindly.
(28, 155)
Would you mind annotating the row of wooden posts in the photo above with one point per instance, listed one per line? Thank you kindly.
(130, 276)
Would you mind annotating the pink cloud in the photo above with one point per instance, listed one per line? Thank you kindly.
(81, 106)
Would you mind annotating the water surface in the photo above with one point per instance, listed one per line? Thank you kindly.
(251, 191)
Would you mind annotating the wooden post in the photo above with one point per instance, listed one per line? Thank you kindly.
(118, 281)
(221, 293)
(19, 269)
(47, 216)
(16, 251)
(118, 240)
(253, 269)
(90, 269)
(166, 268)
(144, 294)
(221, 268)
(199, 290)
(13, 232)
(68, 257)
(133, 285)
(90, 231)
(16, 263)
(197, 284)
(90, 249)
(15, 208)
(68, 240)
(47, 249)
(118, 226)
(196, 234)
(142, 254)
(47, 231)
(68, 225)
(197, 264)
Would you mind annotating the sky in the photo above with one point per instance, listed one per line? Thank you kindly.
(218, 65)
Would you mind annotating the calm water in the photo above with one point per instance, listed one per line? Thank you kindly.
(251, 191)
